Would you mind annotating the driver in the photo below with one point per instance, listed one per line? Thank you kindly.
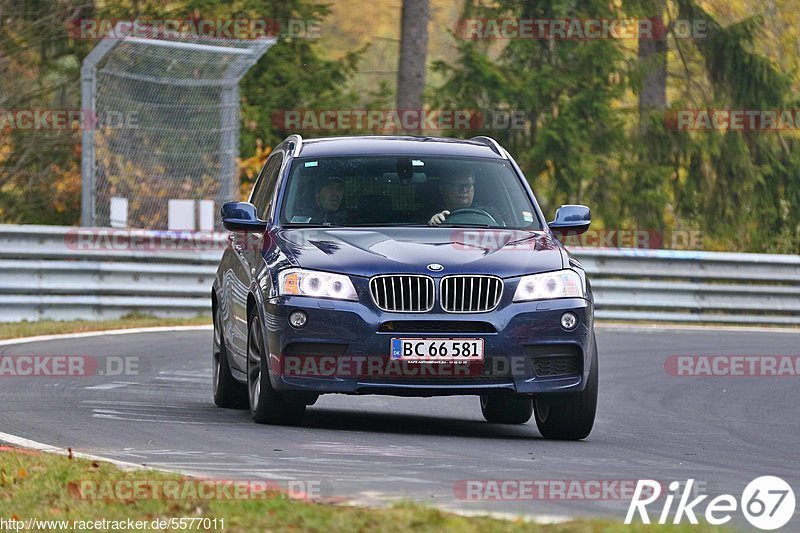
(328, 195)
(458, 192)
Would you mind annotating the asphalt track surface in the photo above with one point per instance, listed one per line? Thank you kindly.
(720, 431)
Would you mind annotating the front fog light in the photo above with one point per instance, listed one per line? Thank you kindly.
(298, 319)
(569, 321)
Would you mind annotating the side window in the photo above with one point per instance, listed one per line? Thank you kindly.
(262, 196)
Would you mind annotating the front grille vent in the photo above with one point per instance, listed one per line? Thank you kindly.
(470, 294)
(402, 293)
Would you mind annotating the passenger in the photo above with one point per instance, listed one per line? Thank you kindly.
(328, 196)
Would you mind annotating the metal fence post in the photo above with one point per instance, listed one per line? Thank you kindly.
(229, 143)
(88, 108)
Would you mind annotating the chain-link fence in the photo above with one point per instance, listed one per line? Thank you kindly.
(162, 151)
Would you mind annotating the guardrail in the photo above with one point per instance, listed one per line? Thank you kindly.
(58, 273)
(49, 272)
(666, 285)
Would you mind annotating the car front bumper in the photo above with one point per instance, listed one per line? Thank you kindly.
(337, 349)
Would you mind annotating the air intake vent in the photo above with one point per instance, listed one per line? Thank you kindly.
(470, 294)
(402, 293)
(436, 326)
(547, 367)
(555, 360)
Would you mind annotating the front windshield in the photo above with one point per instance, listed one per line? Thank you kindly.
(406, 191)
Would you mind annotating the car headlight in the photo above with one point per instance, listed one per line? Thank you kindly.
(560, 284)
(299, 282)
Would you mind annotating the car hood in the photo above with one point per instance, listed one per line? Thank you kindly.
(367, 252)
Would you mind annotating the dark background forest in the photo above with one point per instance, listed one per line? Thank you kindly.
(597, 112)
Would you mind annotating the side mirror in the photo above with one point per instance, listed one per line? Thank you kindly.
(242, 217)
(572, 219)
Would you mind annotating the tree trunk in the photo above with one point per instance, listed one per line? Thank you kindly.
(653, 58)
(413, 54)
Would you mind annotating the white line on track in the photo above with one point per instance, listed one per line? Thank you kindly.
(33, 445)
(656, 328)
(109, 386)
(102, 333)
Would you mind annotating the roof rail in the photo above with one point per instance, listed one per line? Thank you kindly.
(491, 143)
(296, 142)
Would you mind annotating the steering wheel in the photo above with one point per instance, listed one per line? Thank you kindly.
(470, 215)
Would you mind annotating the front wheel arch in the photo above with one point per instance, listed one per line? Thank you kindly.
(267, 406)
(569, 416)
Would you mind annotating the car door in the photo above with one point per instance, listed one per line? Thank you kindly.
(247, 250)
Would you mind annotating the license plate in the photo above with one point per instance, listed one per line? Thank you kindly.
(451, 350)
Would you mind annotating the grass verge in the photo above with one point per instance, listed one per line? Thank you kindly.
(53, 487)
(13, 330)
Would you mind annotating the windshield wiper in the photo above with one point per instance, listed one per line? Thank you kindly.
(466, 225)
(389, 225)
(303, 225)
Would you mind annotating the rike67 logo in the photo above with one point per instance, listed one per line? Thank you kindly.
(767, 502)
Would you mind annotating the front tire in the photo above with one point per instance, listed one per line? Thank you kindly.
(267, 406)
(228, 392)
(506, 408)
(569, 416)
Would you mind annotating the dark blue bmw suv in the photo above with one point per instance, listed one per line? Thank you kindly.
(411, 266)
